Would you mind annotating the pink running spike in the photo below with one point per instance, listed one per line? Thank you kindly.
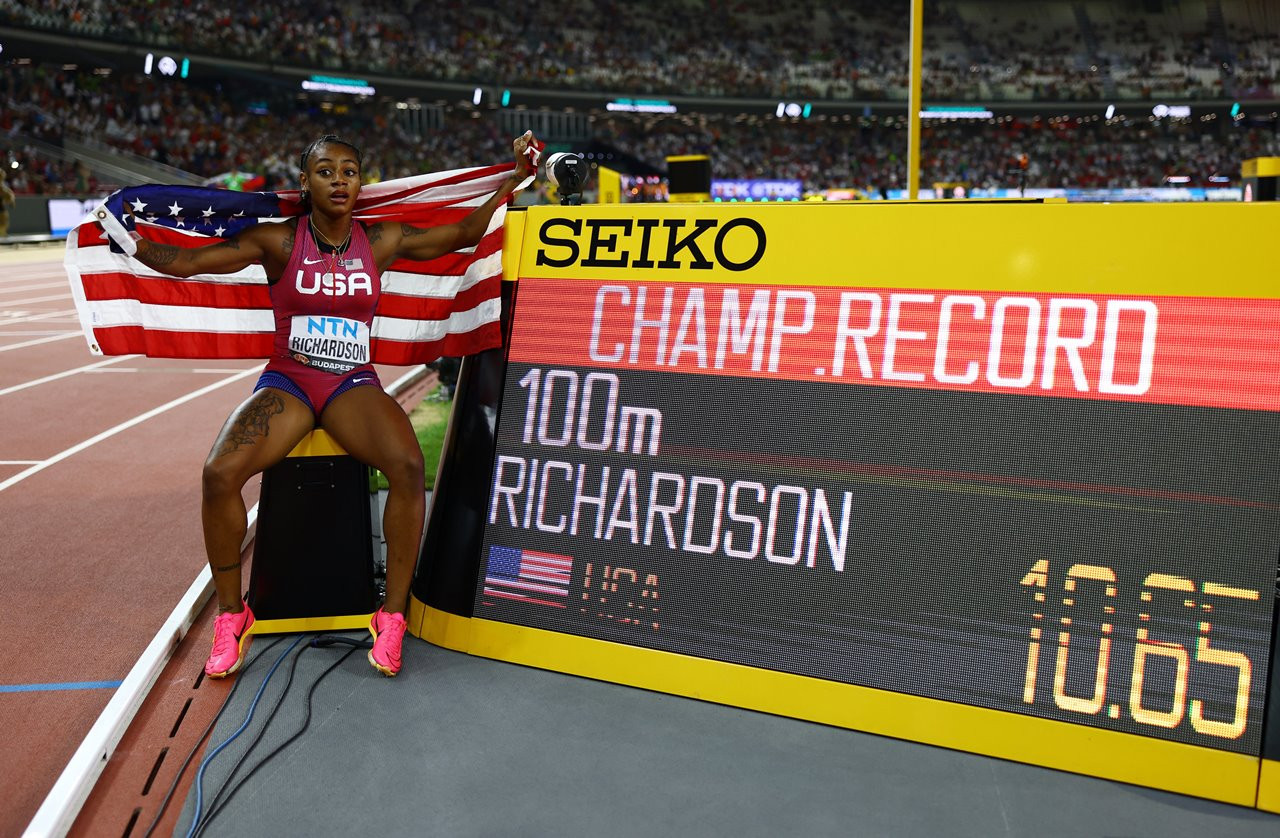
(231, 640)
(388, 635)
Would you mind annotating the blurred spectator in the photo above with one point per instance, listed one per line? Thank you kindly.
(6, 200)
(869, 153)
(978, 50)
(208, 131)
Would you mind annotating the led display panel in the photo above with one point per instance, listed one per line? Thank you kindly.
(1054, 503)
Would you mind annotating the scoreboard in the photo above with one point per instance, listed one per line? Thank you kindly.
(983, 465)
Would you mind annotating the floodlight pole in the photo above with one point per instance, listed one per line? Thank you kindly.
(913, 101)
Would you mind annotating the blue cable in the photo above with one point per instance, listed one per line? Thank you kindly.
(195, 820)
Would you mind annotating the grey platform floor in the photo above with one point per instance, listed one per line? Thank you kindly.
(463, 746)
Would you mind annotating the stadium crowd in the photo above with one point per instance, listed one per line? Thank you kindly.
(868, 154)
(839, 49)
(208, 132)
(202, 131)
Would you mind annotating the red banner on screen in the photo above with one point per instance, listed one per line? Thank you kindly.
(1194, 351)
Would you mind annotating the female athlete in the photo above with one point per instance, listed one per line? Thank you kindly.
(322, 384)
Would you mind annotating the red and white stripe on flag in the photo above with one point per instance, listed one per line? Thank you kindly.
(445, 306)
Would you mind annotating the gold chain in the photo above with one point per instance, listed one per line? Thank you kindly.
(338, 249)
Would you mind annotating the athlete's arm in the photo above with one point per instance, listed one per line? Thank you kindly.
(263, 243)
(421, 244)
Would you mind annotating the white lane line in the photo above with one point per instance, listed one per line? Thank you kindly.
(58, 812)
(63, 803)
(18, 462)
(38, 341)
(29, 300)
(28, 318)
(54, 377)
(5, 289)
(412, 375)
(5, 333)
(123, 426)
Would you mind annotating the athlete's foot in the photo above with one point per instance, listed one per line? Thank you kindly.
(388, 636)
(231, 640)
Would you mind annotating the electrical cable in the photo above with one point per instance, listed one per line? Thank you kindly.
(284, 692)
(317, 641)
(204, 764)
(323, 641)
(226, 702)
(301, 730)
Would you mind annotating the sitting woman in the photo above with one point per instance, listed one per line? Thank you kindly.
(309, 384)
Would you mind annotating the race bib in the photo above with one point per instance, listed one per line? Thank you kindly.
(331, 344)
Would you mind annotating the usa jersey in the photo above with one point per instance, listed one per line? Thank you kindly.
(323, 302)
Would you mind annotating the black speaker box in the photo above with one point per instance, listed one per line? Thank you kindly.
(313, 553)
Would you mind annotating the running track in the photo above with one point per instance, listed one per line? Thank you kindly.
(99, 516)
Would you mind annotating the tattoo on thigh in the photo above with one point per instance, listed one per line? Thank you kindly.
(226, 567)
(253, 422)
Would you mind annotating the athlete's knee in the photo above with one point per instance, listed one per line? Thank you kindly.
(405, 468)
(220, 477)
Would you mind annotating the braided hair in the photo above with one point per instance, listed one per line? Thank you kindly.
(310, 149)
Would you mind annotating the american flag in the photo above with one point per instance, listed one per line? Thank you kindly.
(445, 306)
(528, 576)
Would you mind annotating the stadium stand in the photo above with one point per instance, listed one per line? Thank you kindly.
(986, 50)
(1049, 52)
(199, 131)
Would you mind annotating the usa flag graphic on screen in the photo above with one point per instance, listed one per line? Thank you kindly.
(528, 576)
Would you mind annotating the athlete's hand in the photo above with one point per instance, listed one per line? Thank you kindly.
(528, 151)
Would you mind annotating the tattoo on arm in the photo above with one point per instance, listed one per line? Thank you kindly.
(157, 255)
(408, 231)
(286, 250)
(252, 424)
(374, 232)
(226, 567)
(231, 243)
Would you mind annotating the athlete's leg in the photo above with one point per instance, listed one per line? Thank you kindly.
(374, 429)
(255, 437)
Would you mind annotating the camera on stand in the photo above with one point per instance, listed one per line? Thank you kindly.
(569, 174)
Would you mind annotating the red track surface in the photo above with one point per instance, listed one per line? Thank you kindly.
(96, 548)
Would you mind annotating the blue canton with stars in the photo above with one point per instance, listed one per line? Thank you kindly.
(197, 209)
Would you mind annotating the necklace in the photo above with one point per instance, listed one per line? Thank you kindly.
(337, 250)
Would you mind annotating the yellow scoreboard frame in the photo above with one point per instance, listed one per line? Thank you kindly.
(1175, 250)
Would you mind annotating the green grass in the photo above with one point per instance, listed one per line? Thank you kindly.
(429, 420)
